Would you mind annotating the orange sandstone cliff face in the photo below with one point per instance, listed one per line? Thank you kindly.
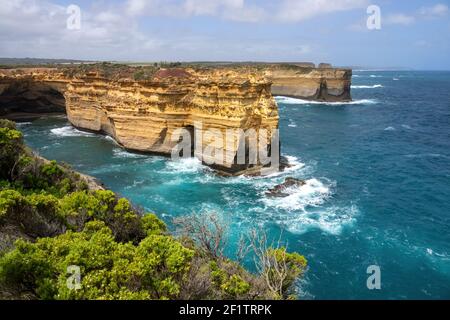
(309, 83)
(145, 115)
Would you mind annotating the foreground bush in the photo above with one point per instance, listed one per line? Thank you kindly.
(154, 269)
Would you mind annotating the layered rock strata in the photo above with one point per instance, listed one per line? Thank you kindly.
(145, 115)
(320, 84)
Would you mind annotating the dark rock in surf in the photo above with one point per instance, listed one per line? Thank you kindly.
(280, 190)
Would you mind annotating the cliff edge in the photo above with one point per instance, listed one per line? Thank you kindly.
(144, 115)
(324, 83)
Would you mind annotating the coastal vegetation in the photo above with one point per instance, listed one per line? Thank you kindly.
(53, 219)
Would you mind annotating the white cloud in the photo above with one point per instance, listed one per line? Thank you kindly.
(211, 7)
(39, 29)
(241, 10)
(183, 8)
(400, 18)
(299, 10)
(246, 14)
(438, 10)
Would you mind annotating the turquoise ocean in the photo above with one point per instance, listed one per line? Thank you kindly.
(377, 193)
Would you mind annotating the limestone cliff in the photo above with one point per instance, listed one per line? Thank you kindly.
(304, 82)
(143, 115)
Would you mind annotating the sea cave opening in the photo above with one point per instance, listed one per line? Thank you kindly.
(24, 100)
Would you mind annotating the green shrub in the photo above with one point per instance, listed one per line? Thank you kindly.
(218, 276)
(8, 135)
(4, 184)
(232, 286)
(10, 149)
(235, 286)
(37, 215)
(152, 224)
(51, 170)
(4, 123)
(78, 207)
(154, 269)
(126, 224)
(8, 200)
(295, 265)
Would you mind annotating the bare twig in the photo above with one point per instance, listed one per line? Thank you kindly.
(208, 230)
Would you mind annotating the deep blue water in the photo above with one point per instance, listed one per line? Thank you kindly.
(378, 191)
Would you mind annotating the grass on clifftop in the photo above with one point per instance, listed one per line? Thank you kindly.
(51, 222)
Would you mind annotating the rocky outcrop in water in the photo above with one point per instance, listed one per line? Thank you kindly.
(281, 189)
(143, 115)
(319, 84)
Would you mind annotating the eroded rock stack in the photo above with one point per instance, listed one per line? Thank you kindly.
(324, 83)
(144, 115)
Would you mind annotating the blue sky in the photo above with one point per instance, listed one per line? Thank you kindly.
(414, 33)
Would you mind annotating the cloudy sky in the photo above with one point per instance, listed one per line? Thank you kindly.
(414, 33)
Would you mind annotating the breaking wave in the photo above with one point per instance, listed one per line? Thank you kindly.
(122, 153)
(23, 124)
(69, 131)
(185, 165)
(292, 124)
(332, 220)
(313, 193)
(287, 100)
(305, 208)
(368, 87)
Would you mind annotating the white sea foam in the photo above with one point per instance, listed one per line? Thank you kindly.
(69, 131)
(305, 208)
(389, 129)
(405, 126)
(109, 138)
(294, 162)
(23, 124)
(122, 153)
(395, 79)
(294, 166)
(287, 100)
(367, 87)
(135, 184)
(426, 155)
(185, 165)
(375, 76)
(292, 124)
(331, 220)
(313, 193)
